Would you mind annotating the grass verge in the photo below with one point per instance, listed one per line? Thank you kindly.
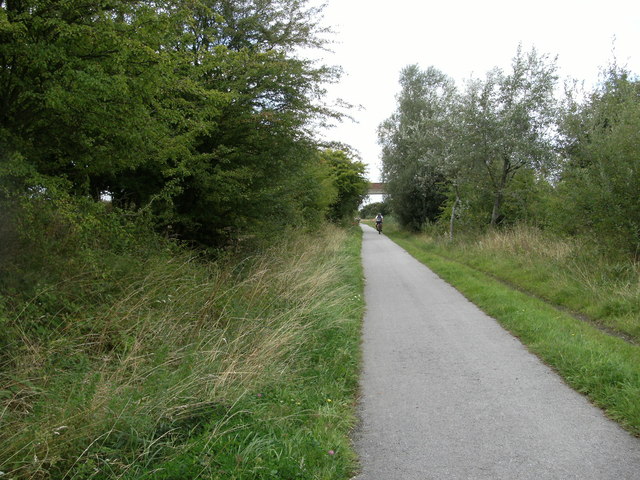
(603, 367)
(230, 370)
(571, 273)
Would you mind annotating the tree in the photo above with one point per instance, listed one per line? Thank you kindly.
(242, 174)
(197, 112)
(416, 144)
(600, 181)
(372, 209)
(80, 84)
(509, 122)
(349, 181)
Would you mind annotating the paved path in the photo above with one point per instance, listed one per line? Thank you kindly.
(448, 394)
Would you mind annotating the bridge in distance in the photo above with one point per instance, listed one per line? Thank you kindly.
(376, 193)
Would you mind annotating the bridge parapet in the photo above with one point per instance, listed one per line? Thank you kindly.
(377, 189)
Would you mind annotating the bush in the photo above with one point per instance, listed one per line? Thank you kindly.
(371, 210)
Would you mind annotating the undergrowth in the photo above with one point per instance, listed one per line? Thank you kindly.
(137, 359)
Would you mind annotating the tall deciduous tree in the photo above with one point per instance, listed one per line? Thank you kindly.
(416, 144)
(509, 122)
(349, 181)
(600, 181)
(199, 112)
(244, 168)
(80, 82)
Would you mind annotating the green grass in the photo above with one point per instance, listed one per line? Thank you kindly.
(602, 366)
(189, 369)
(569, 273)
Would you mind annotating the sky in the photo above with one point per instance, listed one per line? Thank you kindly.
(375, 39)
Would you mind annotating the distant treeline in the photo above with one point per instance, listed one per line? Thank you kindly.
(199, 115)
(504, 149)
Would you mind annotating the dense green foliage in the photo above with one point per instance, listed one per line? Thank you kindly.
(349, 181)
(413, 144)
(599, 185)
(371, 210)
(505, 150)
(199, 114)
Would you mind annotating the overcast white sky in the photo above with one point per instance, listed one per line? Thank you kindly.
(464, 38)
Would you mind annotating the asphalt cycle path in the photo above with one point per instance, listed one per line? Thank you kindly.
(446, 393)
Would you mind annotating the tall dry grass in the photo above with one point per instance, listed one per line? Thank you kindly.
(570, 272)
(527, 242)
(127, 382)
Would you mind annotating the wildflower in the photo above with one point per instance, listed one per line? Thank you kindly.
(331, 452)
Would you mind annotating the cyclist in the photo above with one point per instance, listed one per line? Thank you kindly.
(379, 219)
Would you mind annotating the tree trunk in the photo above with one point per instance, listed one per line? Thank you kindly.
(453, 215)
(497, 203)
(499, 195)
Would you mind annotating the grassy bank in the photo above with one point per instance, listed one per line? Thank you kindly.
(521, 278)
(181, 368)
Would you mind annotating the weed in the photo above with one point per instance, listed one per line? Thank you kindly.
(190, 368)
